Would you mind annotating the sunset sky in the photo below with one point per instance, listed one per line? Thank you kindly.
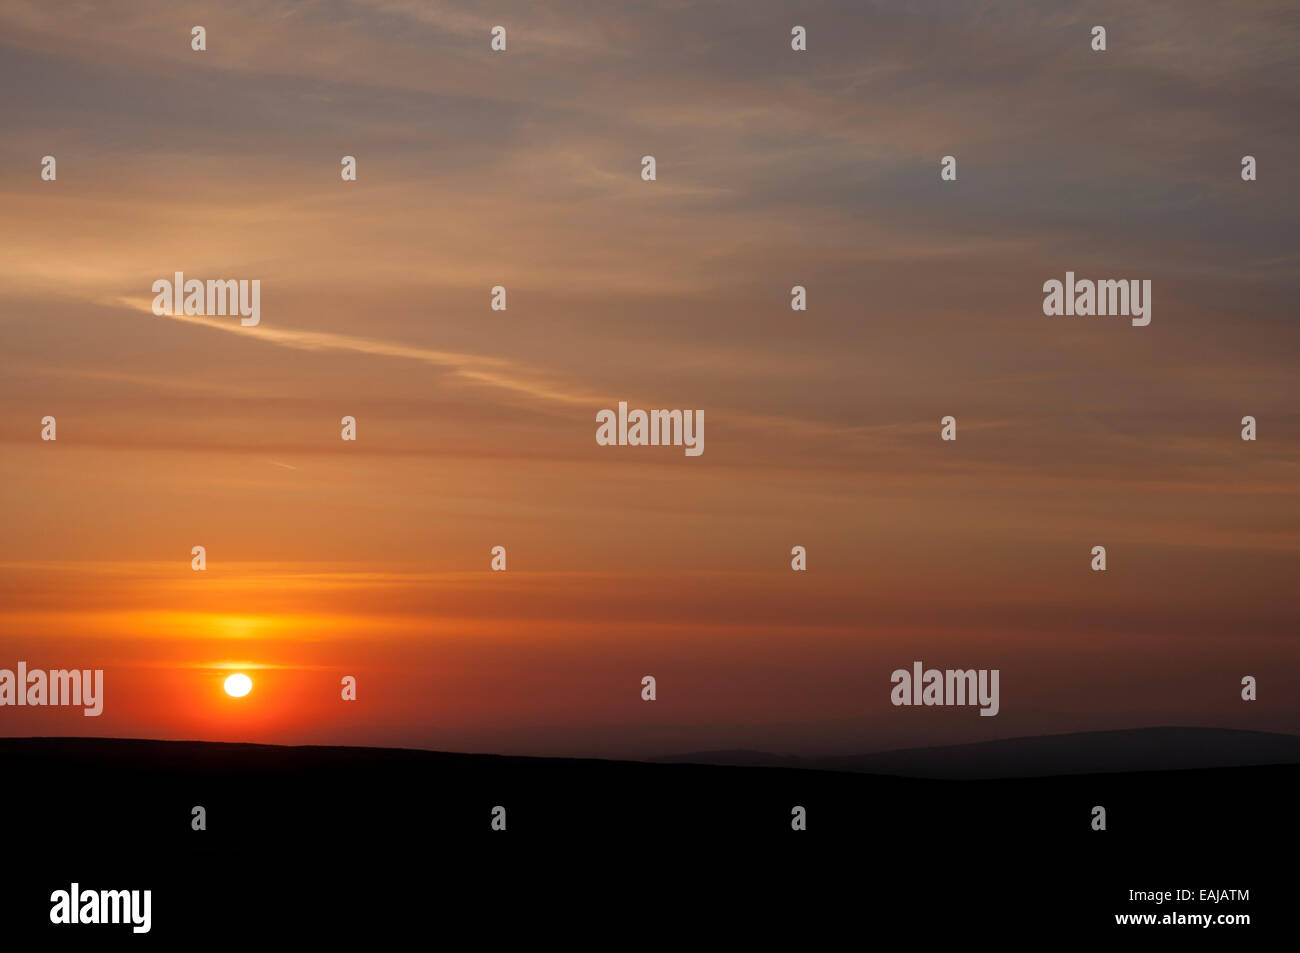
(476, 428)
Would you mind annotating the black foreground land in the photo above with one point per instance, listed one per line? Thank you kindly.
(323, 841)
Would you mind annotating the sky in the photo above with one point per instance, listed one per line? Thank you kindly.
(476, 427)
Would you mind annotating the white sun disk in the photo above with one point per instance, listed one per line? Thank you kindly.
(238, 685)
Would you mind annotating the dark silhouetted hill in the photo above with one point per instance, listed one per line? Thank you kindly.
(305, 842)
(146, 789)
(1092, 752)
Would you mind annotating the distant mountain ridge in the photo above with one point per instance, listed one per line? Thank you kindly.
(1087, 752)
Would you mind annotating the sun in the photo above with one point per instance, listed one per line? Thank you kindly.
(238, 685)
